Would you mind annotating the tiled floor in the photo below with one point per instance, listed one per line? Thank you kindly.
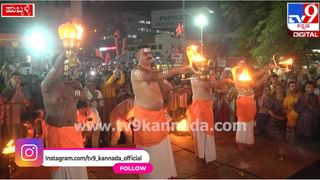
(266, 159)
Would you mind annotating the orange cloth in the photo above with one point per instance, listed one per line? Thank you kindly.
(246, 108)
(63, 137)
(201, 110)
(147, 135)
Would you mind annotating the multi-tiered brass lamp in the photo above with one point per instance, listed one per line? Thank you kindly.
(70, 35)
(198, 63)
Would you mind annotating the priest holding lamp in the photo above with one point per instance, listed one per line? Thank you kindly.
(148, 87)
(60, 96)
(245, 83)
(201, 109)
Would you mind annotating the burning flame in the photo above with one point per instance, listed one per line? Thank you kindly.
(10, 148)
(183, 125)
(79, 30)
(245, 76)
(287, 62)
(194, 55)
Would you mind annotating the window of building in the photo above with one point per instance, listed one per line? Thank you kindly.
(160, 46)
(154, 47)
(134, 36)
(141, 22)
(148, 22)
(129, 36)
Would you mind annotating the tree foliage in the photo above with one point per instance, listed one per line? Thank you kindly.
(262, 30)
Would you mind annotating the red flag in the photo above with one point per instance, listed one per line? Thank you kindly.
(99, 54)
(107, 57)
(179, 30)
(116, 34)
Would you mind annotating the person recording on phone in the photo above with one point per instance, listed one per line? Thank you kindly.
(60, 98)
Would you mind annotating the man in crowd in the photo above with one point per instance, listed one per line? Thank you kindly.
(95, 97)
(109, 92)
(60, 99)
(149, 108)
(16, 101)
(289, 103)
(89, 118)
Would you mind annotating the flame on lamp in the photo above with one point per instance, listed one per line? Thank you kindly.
(67, 31)
(194, 55)
(286, 62)
(183, 125)
(10, 148)
(71, 35)
(245, 76)
(79, 31)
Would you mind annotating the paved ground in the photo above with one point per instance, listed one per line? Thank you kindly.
(260, 161)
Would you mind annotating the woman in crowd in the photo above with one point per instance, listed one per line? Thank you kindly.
(277, 114)
(308, 110)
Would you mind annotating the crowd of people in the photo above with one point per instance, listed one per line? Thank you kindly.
(283, 108)
(287, 106)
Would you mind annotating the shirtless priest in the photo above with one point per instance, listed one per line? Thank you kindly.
(148, 86)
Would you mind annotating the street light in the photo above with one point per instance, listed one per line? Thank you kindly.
(38, 40)
(201, 21)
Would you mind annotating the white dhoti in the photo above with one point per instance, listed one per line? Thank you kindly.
(245, 132)
(205, 146)
(161, 158)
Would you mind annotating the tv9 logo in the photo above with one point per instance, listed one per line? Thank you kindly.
(303, 19)
(29, 152)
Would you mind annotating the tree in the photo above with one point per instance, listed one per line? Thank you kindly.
(246, 18)
(262, 30)
(274, 36)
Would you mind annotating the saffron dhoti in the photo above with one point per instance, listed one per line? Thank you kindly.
(246, 110)
(65, 137)
(204, 143)
(154, 141)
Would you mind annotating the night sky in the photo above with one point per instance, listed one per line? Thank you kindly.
(96, 11)
(150, 5)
